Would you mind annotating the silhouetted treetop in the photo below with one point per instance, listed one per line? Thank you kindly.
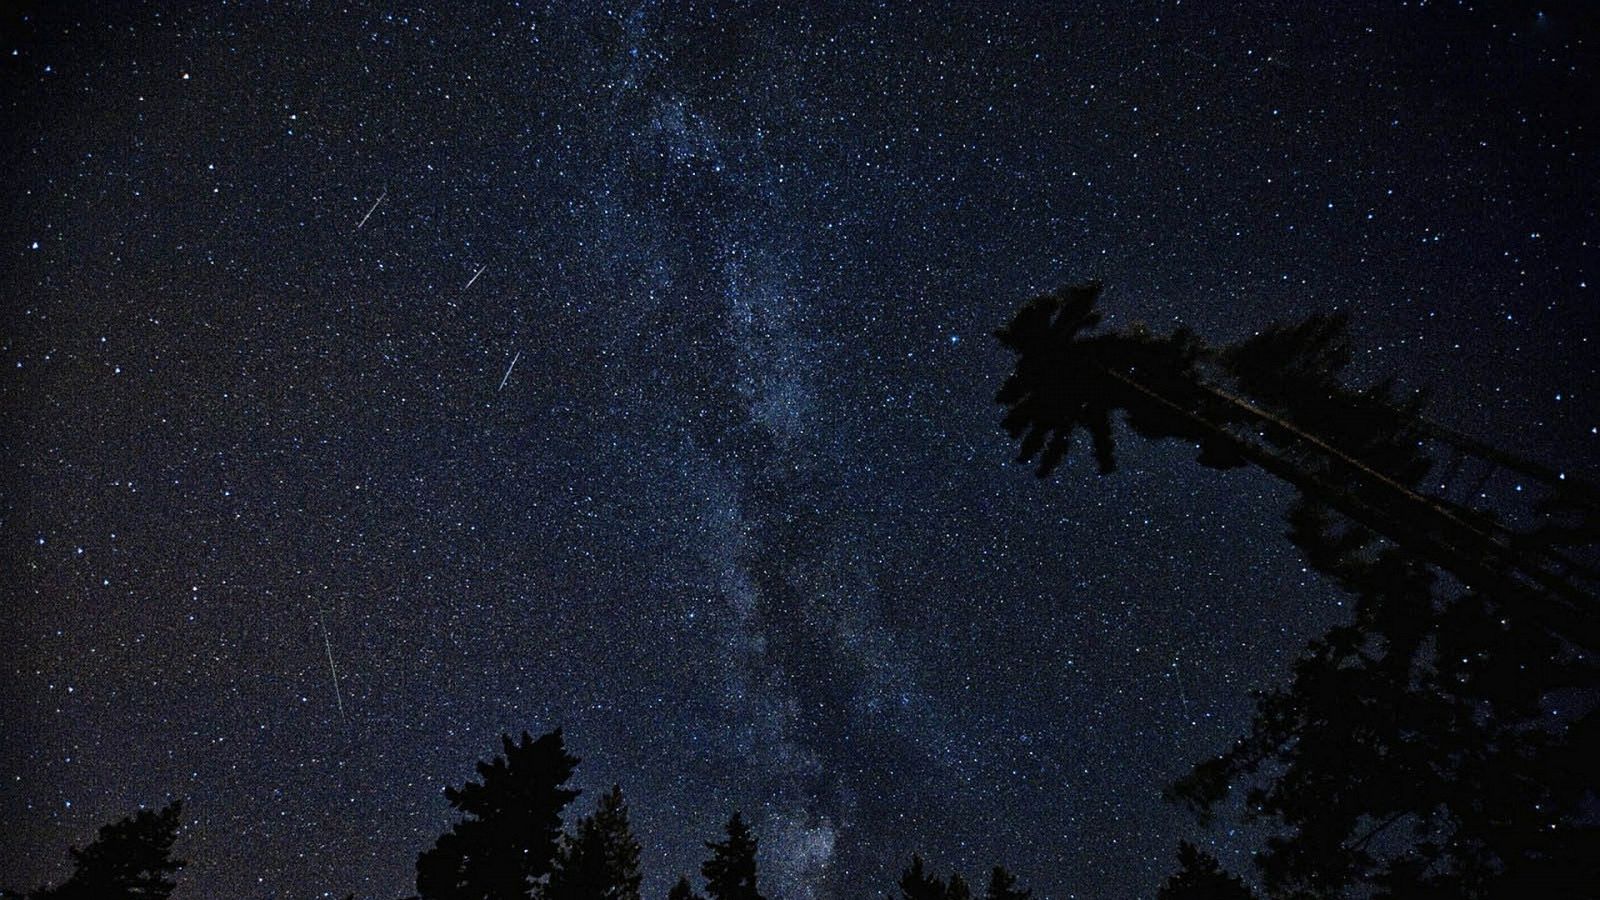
(600, 860)
(682, 890)
(1441, 743)
(1003, 886)
(1200, 877)
(1278, 401)
(1067, 378)
(512, 821)
(917, 883)
(129, 859)
(730, 873)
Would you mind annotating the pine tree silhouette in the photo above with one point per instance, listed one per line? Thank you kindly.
(1003, 886)
(1275, 401)
(683, 890)
(508, 837)
(600, 860)
(916, 883)
(1200, 877)
(1415, 752)
(130, 859)
(730, 873)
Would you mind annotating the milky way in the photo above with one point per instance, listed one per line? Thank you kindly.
(379, 380)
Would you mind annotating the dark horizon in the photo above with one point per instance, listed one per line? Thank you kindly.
(379, 381)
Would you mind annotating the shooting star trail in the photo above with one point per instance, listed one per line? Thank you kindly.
(508, 371)
(1183, 695)
(474, 276)
(327, 645)
(373, 209)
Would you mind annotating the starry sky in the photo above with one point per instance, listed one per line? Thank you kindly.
(628, 368)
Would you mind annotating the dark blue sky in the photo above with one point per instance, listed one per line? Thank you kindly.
(740, 516)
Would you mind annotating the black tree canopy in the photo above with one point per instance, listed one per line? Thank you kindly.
(730, 873)
(129, 859)
(1418, 750)
(511, 822)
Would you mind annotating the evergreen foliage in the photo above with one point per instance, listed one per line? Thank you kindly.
(917, 883)
(730, 873)
(1415, 752)
(129, 859)
(512, 821)
(683, 890)
(1003, 886)
(1201, 877)
(600, 860)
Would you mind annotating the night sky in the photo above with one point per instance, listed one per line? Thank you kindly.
(629, 369)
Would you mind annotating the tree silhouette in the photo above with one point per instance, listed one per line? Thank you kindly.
(600, 861)
(730, 873)
(1275, 401)
(1418, 750)
(916, 883)
(1200, 877)
(507, 839)
(1003, 886)
(129, 859)
(682, 890)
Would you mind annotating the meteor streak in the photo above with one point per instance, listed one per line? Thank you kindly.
(327, 645)
(373, 209)
(508, 371)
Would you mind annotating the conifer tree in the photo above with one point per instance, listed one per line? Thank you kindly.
(512, 822)
(1276, 401)
(730, 873)
(916, 883)
(130, 859)
(1003, 886)
(683, 890)
(957, 889)
(1201, 877)
(600, 860)
(1415, 752)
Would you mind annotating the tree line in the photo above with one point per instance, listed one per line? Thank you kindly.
(1444, 742)
(508, 843)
